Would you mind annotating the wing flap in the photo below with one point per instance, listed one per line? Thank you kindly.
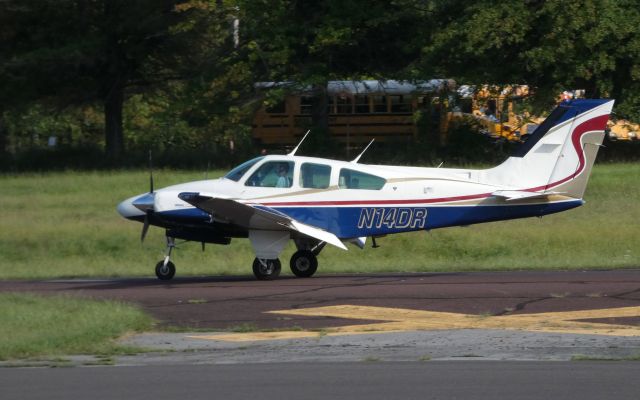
(256, 216)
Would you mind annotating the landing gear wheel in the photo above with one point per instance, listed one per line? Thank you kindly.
(267, 271)
(165, 272)
(303, 263)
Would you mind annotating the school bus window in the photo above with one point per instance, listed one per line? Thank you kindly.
(306, 104)
(278, 108)
(344, 104)
(399, 104)
(380, 104)
(362, 104)
(466, 105)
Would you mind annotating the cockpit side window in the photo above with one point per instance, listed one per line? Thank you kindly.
(237, 173)
(278, 174)
(351, 179)
(315, 176)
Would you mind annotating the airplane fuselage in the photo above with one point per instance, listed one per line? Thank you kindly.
(406, 199)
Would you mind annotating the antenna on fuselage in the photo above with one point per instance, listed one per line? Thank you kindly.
(355, 160)
(296, 149)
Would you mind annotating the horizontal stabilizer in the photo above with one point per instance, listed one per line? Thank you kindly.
(511, 195)
(256, 216)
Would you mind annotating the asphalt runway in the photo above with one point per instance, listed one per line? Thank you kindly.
(220, 303)
(356, 381)
(410, 336)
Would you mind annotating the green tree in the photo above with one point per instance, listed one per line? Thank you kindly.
(68, 52)
(550, 45)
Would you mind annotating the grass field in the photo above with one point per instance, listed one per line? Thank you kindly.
(65, 225)
(32, 326)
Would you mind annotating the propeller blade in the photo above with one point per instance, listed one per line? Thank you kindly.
(145, 227)
(150, 173)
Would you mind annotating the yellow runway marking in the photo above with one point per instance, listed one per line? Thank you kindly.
(402, 320)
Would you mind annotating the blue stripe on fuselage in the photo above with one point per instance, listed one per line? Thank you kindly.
(349, 222)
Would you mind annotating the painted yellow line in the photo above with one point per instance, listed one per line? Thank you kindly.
(402, 320)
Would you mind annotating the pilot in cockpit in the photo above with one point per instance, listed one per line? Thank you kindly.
(283, 179)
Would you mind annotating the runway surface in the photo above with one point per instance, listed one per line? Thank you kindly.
(356, 381)
(411, 336)
(228, 302)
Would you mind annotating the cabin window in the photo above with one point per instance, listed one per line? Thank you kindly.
(351, 179)
(315, 176)
(237, 173)
(278, 174)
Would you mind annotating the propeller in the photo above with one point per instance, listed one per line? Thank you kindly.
(150, 173)
(145, 226)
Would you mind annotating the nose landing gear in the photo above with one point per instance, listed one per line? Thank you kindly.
(165, 269)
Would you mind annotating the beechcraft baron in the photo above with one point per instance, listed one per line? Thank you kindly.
(316, 201)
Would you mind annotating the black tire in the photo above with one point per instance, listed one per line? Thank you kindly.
(303, 263)
(165, 273)
(268, 272)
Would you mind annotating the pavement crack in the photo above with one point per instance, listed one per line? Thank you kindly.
(620, 296)
(520, 306)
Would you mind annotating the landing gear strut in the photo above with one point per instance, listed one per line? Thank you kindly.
(265, 270)
(165, 269)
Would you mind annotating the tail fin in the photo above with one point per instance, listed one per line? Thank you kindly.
(559, 155)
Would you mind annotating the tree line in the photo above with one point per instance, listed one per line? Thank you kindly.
(124, 76)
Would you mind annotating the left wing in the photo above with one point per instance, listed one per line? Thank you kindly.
(249, 216)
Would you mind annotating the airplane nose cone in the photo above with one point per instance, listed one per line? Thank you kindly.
(128, 210)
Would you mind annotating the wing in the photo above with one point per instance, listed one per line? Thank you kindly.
(256, 216)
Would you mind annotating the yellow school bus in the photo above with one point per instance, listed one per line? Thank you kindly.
(358, 111)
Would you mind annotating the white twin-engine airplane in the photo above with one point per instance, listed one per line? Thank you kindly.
(316, 201)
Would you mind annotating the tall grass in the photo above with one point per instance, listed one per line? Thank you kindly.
(65, 225)
(33, 325)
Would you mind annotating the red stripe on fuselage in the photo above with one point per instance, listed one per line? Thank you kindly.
(378, 202)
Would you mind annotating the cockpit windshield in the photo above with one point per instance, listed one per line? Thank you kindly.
(237, 173)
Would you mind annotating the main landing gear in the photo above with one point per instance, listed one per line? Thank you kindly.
(266, 270)
(304, 262)
(165, 269)
(303, 265)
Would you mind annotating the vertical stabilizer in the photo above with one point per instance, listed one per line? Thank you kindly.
(560, 153)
